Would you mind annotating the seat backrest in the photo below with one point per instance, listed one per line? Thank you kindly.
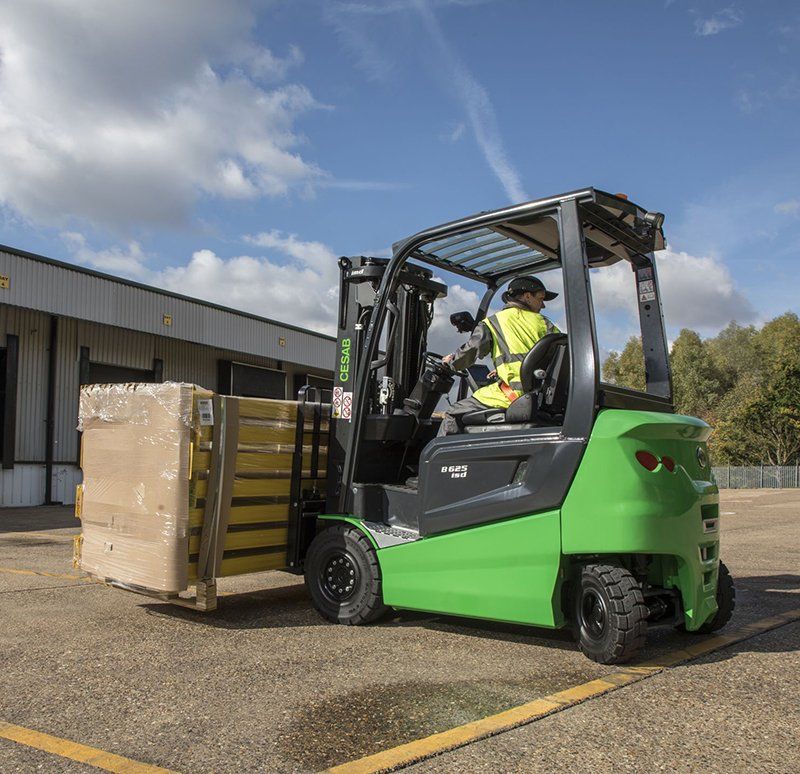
(539, 357)
(556, 383)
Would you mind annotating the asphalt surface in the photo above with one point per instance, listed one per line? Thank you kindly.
(264, 684)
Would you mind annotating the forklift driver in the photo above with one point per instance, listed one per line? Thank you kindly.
(509, 335)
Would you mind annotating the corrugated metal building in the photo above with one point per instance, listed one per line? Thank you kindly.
(62, 326)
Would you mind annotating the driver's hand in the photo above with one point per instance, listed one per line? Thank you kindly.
(492, 374)
(447, 359)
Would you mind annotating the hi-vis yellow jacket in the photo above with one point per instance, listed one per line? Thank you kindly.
(513, 331)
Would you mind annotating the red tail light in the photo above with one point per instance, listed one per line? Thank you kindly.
(668, 463)
(647, 460)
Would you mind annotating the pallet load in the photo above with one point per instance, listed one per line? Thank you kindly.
(182, 486)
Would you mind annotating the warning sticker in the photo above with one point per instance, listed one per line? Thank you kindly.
(336, 402)
(205, 408)
(647, 291)
(347, 406)
(342, 404)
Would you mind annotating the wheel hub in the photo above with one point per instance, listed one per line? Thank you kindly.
(340, 577)
(593, 610)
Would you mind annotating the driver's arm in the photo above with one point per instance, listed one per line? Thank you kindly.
(477, 346)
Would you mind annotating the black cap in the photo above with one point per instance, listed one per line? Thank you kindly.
(529, 285)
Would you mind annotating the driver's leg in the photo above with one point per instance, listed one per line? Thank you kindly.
(450, 424)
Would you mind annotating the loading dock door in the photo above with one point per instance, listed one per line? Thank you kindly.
(103, 373)
(324, 385)
(250, 381)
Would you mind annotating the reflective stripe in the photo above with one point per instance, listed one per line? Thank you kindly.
(509, 359)
(548, 324)
(505, 352)
(505, 355)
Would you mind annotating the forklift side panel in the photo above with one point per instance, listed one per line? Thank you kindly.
(506, 571)
(469, 480)
(616, 506)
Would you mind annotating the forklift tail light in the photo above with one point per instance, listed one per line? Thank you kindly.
(647, 460)
(668, 463)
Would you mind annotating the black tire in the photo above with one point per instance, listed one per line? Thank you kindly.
(726, 603)
(609, 614)
(343, 576)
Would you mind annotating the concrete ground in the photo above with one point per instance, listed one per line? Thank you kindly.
(264, 684)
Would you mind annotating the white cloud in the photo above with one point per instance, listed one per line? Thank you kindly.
(126, 115)
(725, 19)
(789, 207)
(129, 261)
(696, 292)
(296, 282)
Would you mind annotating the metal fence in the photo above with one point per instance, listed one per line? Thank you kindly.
(757, 476)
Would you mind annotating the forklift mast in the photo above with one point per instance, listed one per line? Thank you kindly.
(397, 367)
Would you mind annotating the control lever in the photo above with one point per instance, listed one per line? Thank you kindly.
(435, 381)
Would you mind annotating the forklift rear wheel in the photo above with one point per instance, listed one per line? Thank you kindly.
(343, 576)
(609, 614)
(726, 604)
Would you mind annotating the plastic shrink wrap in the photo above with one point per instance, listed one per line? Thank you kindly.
(151, 477)
(135, 456)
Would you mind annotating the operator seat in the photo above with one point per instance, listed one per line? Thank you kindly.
(545, 377)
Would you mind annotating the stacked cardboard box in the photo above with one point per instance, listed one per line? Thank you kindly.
(181, 486)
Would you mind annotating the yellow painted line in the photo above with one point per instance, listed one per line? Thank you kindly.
(420, 749)
(60, 576)
(76, 752)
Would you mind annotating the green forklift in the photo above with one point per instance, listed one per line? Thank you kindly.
(583, 505)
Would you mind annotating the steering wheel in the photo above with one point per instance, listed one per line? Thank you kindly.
(434, 360)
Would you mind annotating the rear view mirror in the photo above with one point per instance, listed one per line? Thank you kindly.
(464, 322)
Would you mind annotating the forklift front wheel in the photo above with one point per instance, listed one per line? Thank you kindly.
(609, 614)
(343, 576)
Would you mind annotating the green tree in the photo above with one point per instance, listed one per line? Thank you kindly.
(779, 341)
(696, 382)
(765, 428)
(626, 368)
(737, 355)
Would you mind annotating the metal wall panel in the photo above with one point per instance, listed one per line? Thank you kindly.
(24, 485)
(40, 284)
(65, 436)
(65, 479)
(33, 329)
(114, 346)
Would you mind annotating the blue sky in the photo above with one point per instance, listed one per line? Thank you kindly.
(231, 150)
